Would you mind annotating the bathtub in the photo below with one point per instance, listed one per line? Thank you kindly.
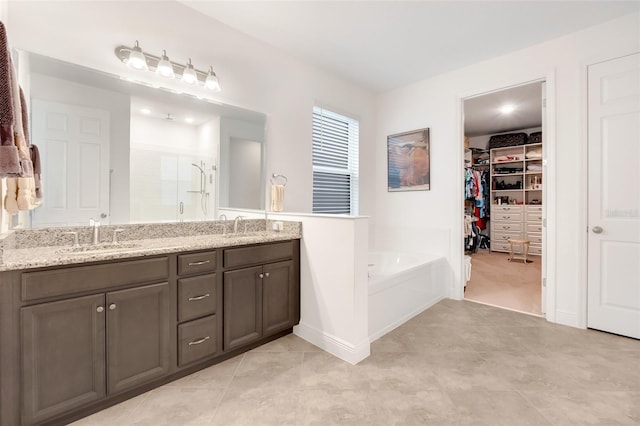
(402, 285)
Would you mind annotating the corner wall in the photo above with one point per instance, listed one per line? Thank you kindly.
(437, 103)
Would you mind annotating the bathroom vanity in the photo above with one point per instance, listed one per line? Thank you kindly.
(80, 331)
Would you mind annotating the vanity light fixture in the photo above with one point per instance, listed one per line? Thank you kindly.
(189, 75)
(135, 58)
(164, 67)
(212, 81)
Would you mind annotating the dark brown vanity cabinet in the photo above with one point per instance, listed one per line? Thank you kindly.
(78, 350)
(260, 300)
(75, 339)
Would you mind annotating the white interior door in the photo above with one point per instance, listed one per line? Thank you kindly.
(74, 151)
(614, 196)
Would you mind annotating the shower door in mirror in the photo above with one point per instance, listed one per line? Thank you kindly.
(74, 149)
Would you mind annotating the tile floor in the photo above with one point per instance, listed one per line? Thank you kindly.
(458, 363)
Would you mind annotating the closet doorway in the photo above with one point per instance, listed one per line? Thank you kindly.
(505, 198)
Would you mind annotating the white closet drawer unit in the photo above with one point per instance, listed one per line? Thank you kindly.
(535, 250)
(500, 246)
(535, 238)
(534, 217)
(534, 227)
(505, 208)
(500, 240)
(507, 226)
(506, 217)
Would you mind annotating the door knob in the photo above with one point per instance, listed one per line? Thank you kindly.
(103, 215)
(597, 229)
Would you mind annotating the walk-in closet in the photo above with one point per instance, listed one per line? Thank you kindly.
(503, 193)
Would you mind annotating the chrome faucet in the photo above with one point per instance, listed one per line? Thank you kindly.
(222, 217)
(235, 223)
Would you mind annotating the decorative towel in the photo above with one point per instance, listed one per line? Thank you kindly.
(9, 160)
(277, 198)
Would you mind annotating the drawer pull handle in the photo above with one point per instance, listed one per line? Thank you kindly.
(506, 227)
(506, 217)
(202, 262)
(199, 341)
(191, 299)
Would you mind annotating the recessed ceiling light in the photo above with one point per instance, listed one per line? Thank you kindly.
(507, 109)
(189, 120)
(145, 111)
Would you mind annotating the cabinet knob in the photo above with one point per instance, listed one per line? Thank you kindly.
(261, 275)
(266, 274)
(112, 306)
(100, 309)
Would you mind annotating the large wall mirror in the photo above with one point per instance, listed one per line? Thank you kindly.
(122, 152)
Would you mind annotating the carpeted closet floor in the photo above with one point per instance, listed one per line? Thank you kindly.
(498, 282)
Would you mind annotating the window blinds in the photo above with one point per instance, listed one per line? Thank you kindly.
(335, 163)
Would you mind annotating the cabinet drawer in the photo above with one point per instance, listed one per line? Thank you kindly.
(195, 263)
(535, 250)
(533, 208)
(196, 340)
(503, 237)
(507, 226)
(506, 217)
(534, 217)
(534, 237)
(499, 209)
(196, 297)
(499, 246)
(67, 281)
(534, 227)
(257, 254)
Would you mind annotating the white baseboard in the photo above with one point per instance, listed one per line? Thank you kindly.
(378, 334)
(567, 318)
(351, 353)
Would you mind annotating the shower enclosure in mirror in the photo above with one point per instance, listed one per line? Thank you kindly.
(122, 152)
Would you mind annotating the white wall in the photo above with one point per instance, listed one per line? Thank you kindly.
(436, 103)
(253, 74)
(117, 104)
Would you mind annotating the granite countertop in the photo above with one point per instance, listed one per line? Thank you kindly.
(51, 255)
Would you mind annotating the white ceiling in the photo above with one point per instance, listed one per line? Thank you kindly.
(382, 45)
(482, 115)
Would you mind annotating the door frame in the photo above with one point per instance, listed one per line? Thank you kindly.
(549, 207)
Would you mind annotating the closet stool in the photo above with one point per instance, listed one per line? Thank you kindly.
(525, 249)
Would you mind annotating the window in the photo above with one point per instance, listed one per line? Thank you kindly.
(335, 163)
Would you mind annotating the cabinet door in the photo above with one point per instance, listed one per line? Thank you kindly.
(242, 307)
(279, 297)
(63, 359)
(138, 335)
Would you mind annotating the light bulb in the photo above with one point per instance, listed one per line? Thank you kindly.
(164, 68)
(137, 59)
(212, 82)
(189, 75)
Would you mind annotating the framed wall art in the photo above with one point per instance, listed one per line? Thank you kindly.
(408, 161)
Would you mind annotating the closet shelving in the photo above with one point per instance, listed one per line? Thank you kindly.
(516, 195)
